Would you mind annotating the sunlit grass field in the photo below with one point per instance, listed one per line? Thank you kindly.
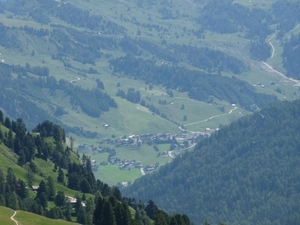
(5, 214)
(27, 218)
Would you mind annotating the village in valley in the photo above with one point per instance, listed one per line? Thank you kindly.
(177, 142)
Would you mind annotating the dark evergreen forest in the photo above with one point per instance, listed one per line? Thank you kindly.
(291, 56)
(228, 17)
(247, 172)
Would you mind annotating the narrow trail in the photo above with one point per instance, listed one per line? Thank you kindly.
(271, 37)
(212, 117)
(13, 219)
(269, 68)
(281, 74)
(170, 153)
(142, 171)
(273, 49)
(205, 120)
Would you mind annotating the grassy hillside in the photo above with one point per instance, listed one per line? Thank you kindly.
(30, 218)
(26, 218)
(9, 159)
(5, 214)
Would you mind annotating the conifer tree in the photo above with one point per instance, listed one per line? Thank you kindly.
(85, 186)
(29, 175)
(10, 140)
(22, 158)
(42, 189)
(151, 209)
(2, 181)
(51, 188)
(60, 199)
(42, 200)
(22, 190)
(113, 201)
(12, 200)
(61, 176)
(119, 214)
(89, 209)
(68, 212)
(173, 221)
(108, 214)
(1, 117)
(11, 180)
(186, 219)
(2, 200)
(1, 136)
(81, 215)
(117, 193)
(97, 218)
(77, 204)
(7, 123)
(97, 196)
(161, 218)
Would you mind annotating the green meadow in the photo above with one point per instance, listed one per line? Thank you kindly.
(5, 214)
(27, 218)
(111, 174)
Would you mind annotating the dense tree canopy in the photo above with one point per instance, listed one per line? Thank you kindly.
(291, 56)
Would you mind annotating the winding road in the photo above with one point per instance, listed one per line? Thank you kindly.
(142, 171)
(273, 49)
(13, 219)
(281, 74)
(210, 118)
(268, 67)
(170, 153)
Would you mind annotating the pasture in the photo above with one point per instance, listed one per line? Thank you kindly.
(27, 218)
(5, 214)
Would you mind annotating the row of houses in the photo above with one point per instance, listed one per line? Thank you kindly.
(160, 138)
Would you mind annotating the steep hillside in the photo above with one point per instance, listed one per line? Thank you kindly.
(245, 173)
(39, 174)
(25, 218)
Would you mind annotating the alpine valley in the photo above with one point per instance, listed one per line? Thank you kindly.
(191, 103)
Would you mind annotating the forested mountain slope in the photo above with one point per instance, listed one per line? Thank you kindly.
(41, 175)
(246, 173)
